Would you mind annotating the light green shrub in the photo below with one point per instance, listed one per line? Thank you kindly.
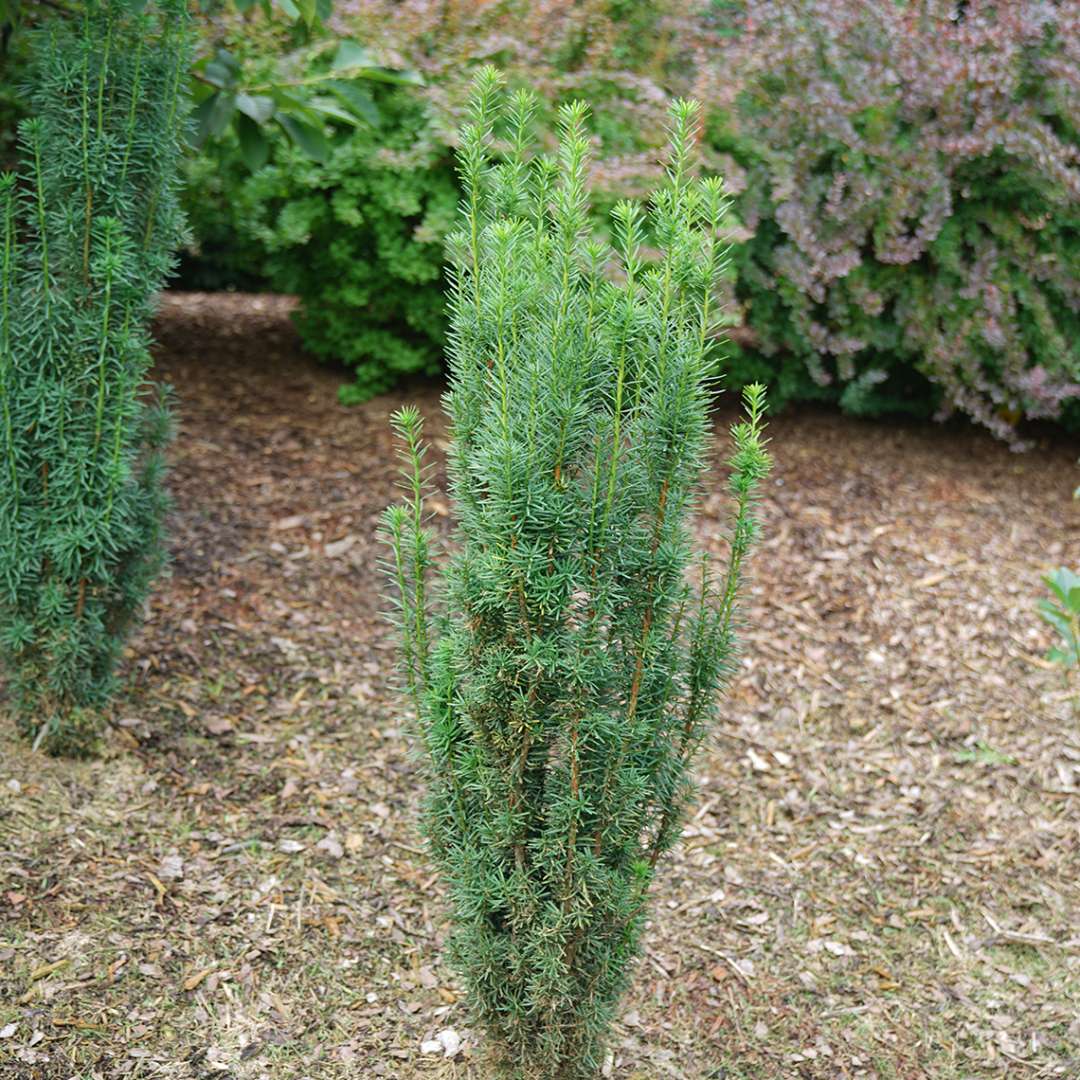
(566, 663)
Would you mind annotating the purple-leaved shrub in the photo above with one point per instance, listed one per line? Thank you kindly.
(913, 184)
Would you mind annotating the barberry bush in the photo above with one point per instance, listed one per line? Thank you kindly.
(565, 661)
(88, 226)
(913, 184)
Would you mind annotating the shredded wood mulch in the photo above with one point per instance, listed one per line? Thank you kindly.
(881, 879)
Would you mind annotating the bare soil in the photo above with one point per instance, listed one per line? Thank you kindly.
(881, 880)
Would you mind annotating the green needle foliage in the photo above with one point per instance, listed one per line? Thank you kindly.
(568, 663)
(87, 230)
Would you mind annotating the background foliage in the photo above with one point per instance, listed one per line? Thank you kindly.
(912, 183)
(906, 177)
(13, 59)
(357, 228)
(357, 236)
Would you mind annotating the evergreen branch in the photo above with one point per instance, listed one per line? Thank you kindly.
(33, 135)
(135, 96)
(749, 465)
(7, 282)
(108, 272)
(411, 556)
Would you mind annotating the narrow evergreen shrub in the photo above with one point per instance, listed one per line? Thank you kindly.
(567, 663)
(88, 228)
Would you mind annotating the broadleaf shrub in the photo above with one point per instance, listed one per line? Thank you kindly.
(566, 663)
(360, 237)
(913, 186)
(89, 226)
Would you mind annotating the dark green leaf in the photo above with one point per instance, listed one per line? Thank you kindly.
(213, 116)
(309, 138)
(258, 107)
(357, 100)
(254, 146)
(222, 70)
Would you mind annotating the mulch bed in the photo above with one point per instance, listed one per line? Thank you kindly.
(881, 879)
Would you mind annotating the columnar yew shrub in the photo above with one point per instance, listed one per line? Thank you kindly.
(88, 228)
(566, 663)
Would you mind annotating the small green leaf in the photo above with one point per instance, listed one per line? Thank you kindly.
(290, 9)
(1065, 657)
(1064, 584)
(327, 106)
(1055, 616)
(258, 107)
(350, 55)
(983, 754)
(254, 146)
(356, 100)
(309, 138)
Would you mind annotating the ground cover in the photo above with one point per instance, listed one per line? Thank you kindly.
(882, 878)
